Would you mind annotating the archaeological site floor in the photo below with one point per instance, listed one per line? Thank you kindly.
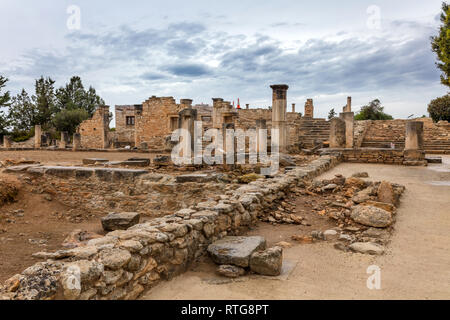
(415, 265)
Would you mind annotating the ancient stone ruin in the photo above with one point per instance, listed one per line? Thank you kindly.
(156, 218)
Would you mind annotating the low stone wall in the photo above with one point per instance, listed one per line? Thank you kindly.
(123, 264)
(379, 155)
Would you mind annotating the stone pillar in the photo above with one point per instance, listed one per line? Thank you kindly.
(7, 142)
(76, 145)
(247, 106)
(293, 107)
(309, 109)
(37, 136)
(261, 135)
(279, 106)
(349, 118)
(348, 108)
(186, 119)
(64, 139)
(414, 135)
(217, 113)
(337, 133)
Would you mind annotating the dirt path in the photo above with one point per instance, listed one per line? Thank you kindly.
(416, 265)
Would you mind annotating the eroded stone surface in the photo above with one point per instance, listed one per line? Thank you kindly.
(235, 250)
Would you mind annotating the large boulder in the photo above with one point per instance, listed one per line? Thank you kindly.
(267, 262)
(235, 250)
(120, 221)
(371, 216)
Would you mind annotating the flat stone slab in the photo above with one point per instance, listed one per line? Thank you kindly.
(120, 221)
(235, 250)
(94, 160)
(433, 159)
(195, 177)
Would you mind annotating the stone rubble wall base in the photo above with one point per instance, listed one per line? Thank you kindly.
(385, 156)
(124, 264)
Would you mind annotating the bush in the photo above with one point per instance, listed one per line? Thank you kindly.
(69, 120)
(439, 108)
(22, 135)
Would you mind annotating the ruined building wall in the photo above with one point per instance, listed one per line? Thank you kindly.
(125, 124)
(95, 131)
(156, 121)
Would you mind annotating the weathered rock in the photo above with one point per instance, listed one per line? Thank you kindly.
(114, 258)
(330, 235)
(360, 175)
(267, 262)
(120, 221)
(230, 271)
(235, 250)
(367, 248)
(355, 182)
(371, 216)
(382, 205)
(386, 193)
(78, 238)
(363, 195)
(330, 186)
(249, 178)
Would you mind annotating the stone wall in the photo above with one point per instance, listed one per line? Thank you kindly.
(374, 155)
(95, 131)
(123, 264)
(156, 121)
(125, 132)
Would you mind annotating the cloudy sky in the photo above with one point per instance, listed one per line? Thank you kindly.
(199, 49)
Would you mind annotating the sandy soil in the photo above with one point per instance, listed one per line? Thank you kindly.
(416, 265)
(68, 157)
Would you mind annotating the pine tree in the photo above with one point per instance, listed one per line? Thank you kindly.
(441, 45)
(44, 100)
(331, 114)
(5, 99)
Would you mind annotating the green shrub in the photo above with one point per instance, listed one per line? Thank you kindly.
(439, 108)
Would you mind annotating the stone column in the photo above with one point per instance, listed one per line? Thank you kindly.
(76, 142)
(7, 142)
(247, 106)
(64, 139)
(337, 133)
(186, 119)
(37, 136)
(309, 109)
(217, 113)
(349, 118)
(186, 103)
(293, 107)
(348, 108)
(279, 106)
(261, 135)
(414, 135)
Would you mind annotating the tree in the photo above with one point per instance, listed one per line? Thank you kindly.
(439, 108)
(73, 96)
(373, 111)
(441, 45)
(68, 120)
(331, 114)
(23, 113)
(44, 100)
(4, 102)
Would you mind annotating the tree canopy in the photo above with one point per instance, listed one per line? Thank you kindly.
(373, 111)
(439, 108)
(440, 44)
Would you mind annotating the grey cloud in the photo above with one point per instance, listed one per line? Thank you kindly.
(189, 69)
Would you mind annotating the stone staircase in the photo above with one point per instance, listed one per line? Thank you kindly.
(311, 130)
(381, 134)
